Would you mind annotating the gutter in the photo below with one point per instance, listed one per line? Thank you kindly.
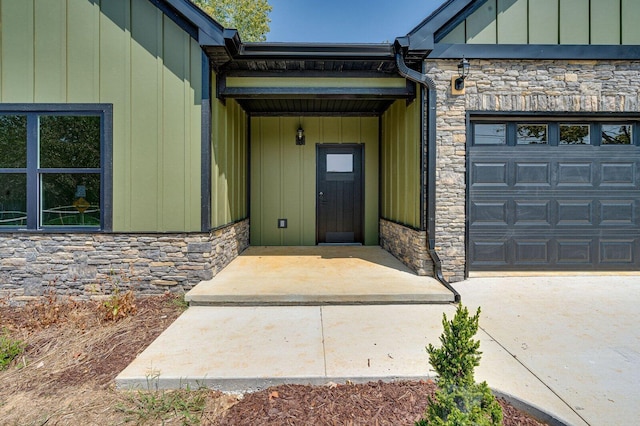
(430, 152)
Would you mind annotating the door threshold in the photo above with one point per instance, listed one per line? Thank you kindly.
(339, 244)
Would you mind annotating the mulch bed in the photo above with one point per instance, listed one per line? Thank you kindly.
(398, 403)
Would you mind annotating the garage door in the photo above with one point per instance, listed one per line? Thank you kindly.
(553, 195)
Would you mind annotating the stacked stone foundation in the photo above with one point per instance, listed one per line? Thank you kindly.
(88, 265)
(408, 245)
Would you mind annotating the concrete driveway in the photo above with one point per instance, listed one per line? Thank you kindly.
(567, 345)
(579, 335)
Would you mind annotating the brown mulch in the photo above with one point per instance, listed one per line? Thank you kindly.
(72, 356)
(398, 403)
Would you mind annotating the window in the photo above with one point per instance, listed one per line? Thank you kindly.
(574, 134)
(340, 163)
(490, 134)
(529, 134)
(616, 134)
(53, 172)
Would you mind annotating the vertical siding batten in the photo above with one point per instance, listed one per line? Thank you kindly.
(283, 175)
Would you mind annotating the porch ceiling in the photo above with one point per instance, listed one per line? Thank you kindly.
(309, 107)
(313, 62)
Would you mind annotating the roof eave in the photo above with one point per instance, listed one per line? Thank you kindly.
(316, 51)
(422, 37)
(210, 32)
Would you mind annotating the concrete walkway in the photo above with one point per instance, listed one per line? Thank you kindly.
(567, 345)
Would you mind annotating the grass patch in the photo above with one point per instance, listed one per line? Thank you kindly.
(10, 349)
(179, 302)
(158, 406)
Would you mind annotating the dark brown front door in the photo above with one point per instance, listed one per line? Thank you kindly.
(339, 198)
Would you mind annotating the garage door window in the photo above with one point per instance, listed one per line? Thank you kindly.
(532, 134)
(554, 132)
(574, 134)
(616, 134)
(490, 134)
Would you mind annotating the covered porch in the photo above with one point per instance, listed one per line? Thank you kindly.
(317, 275)
(321, 145)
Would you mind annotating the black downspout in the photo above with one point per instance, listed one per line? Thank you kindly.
(430, 145)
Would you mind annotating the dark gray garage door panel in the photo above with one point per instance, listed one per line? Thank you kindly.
(554, 208)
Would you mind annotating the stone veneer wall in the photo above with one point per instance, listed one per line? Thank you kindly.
(88, 264)
(502, 85)
(408, 245)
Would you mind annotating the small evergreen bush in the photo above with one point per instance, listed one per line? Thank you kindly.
(459, 400)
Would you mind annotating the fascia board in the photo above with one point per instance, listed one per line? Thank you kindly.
(421, 38)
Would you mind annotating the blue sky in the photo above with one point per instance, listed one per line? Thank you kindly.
(346, 21)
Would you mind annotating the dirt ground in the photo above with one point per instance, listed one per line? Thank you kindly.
(73, 354)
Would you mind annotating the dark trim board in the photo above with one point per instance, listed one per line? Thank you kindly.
(309, 74)
(205, 143)
(177, 18)
(209, 32)
(560, 116)
(535, 51)
(317, 92)
(422, 36)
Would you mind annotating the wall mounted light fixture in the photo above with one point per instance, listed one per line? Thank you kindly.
(300, 136)
(463, 72)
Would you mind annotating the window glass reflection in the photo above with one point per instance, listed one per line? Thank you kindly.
(574, 134)
(13, 141)
(69, 141)
(531, 134)
(13, 199)
(70, 199)
(616, 134)
(490, 134)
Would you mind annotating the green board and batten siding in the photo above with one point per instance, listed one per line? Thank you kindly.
(283, 175)
(129, 54)
(230, 156)
(607, 22)
(400, 186)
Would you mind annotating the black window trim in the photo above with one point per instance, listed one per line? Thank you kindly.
(105, 111)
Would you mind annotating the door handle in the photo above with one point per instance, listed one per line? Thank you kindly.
(321, 195)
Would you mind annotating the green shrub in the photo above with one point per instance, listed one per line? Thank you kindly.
(459, 400)
(10, 349)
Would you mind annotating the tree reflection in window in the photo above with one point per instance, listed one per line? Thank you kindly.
(13, 163)
(532, 134)
(13, 141)
(69, 141)
(574, 134)
(616, 134)
(62, 185)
